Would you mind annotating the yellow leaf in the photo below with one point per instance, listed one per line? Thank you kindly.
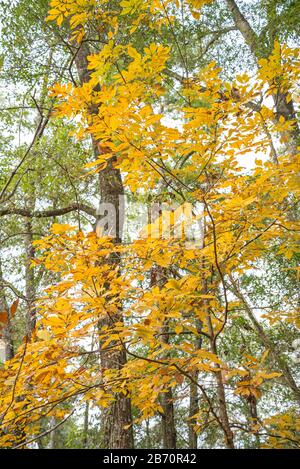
(61, 228)
(43, 334)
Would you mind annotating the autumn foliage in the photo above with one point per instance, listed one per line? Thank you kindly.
(172, 304)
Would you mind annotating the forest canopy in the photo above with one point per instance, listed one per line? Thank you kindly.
(149, 224)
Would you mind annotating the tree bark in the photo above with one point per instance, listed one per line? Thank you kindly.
(222, 404)
(283, 107)
(85, 442)
(193, 409)
(29, 279)
(7, 328)
(53, 434)
(117, 419)
(254, 416)
(243, 26)
(167, 417)
(118, 415)
(25, 212)
(169, 436)
(220, 390)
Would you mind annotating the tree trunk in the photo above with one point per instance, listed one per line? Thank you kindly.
(193, 409)
(194, 397)
(29, 279)
(222, 404)
(254, 416)
(148, 435)
(117, 420)
(85, 442)
(220, 390)
(166, 401)
(166, 398)
(244, 27)
(283, 107)
(6, 331)
(167, 419)
(53, 434)
(118, 415)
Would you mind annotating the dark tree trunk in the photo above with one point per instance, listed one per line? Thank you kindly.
(167, 419)
(117, 417)
(221, 392)
(166, 401)
(157, 278)
(254, 417)
(85, 442)
(193, 409)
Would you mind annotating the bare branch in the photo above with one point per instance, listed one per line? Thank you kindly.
(23, 212)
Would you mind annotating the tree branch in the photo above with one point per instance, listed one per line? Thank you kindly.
(44, 433)
(48, 213)
(243, 26)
